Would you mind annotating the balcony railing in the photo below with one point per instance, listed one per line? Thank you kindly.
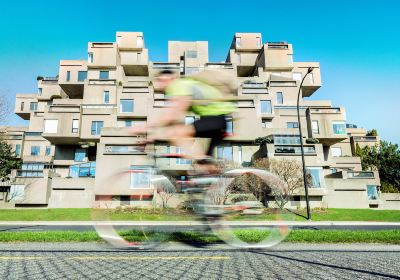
(360, 174)
(277, 45)
(166, 65)
(219, 65)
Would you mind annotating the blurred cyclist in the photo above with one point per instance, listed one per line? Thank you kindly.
(206, 94)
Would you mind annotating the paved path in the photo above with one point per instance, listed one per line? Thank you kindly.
(175, 261)
(187, 225)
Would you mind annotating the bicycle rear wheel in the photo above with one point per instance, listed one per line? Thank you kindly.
(250, 208)
(123, 220)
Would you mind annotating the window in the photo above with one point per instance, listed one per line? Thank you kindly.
(339, 128)
(50, 126)
(90, 57)
(238, 41)
(126, 106)
(82, 75)
(33, 106)
(294, 149)
(104, 75)
(68, 76)
(372, 192)
(22, 106)
(139, 57)
(265, 106)
(189, 120)
(225, 152)
(287, 139)
(266, 123)
(31, 170)
(35, 150)
(336, 151)
(18, 150)
(290, 59)
(75, 126)
(191, 54)
(48, 150)
(140, 177)
(240, 159)
(80, 154)
(316, 176)
(229, 126)
(39, 91)
(83, 170)
(106, 97)
(297, 76)
(96, 127)
(279, 98)
(139, 41)
(311, 77)
(292, 125)
(191, 70)
(315, 127)
(258, 42)
(238, 58)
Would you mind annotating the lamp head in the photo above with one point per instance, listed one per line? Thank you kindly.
(310, 69)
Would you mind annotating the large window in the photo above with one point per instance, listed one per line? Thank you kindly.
(292, 125)
(315, 127)
(80, 154)
(50, 126)
(225, 152)
(191, 54)
(40, 91)
(104, 75)
(33, 106)
(317, 177)
(372, 192)
(336, 151)
(35, 150)
(339, 128)
(265, 106)
(82, 76)
(180, 151)
(123, 149)
(96, 127)
(126, 106)
(75, 126)
(106, 97)
(279, 98)
(83, 170)
(31, 170)
(287, 140)
(140, 176)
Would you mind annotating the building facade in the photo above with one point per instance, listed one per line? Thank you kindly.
(78, 134)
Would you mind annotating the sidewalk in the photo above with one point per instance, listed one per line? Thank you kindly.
(195, 223)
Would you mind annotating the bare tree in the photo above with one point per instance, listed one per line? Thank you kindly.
(287, 170)
(165, 189)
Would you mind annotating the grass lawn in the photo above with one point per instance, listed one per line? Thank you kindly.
(304, 236)
(84, 214)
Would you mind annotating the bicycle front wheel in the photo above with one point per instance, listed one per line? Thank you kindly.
(250, 208)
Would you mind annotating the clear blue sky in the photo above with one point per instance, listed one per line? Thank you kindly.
(356, 42)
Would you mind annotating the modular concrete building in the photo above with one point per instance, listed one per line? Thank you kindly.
(78, 131)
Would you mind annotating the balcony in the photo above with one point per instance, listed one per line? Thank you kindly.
(135, 63)
(217, 65)
(48, 88)
(276, 56)
(25, 104)
(313, 80)
(173, 66)
(72, 77)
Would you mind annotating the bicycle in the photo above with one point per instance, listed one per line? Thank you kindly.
(226, 204)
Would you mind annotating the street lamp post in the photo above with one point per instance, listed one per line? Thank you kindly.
(310, 69)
